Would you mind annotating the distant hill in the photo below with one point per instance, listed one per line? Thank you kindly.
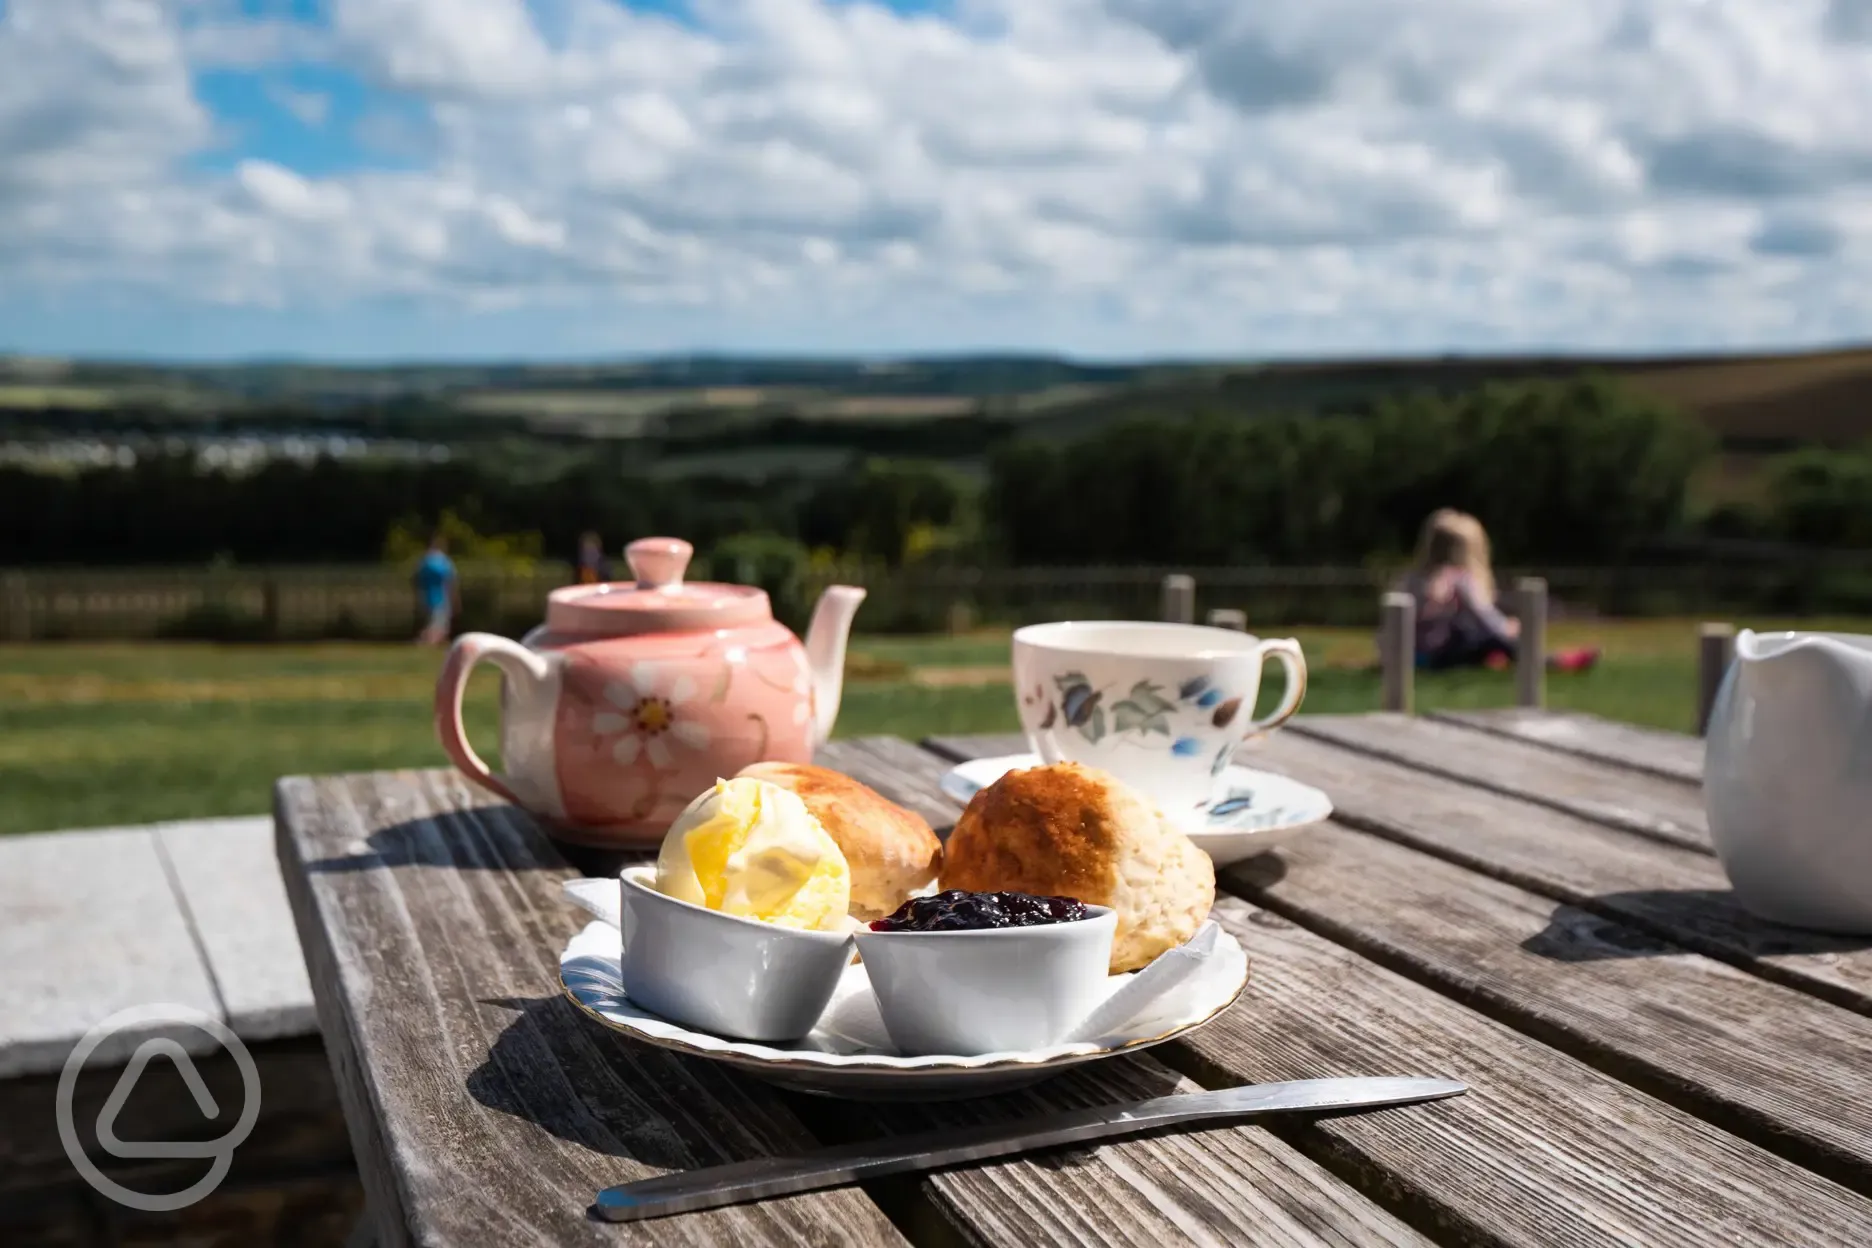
(321, 384)
(950, 407)
(1771, 401)
(1753, 403)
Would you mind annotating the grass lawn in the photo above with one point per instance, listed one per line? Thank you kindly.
(100, 734)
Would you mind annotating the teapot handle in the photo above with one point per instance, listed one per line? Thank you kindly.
(516, 662)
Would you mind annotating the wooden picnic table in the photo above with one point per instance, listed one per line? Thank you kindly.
(1524, 901)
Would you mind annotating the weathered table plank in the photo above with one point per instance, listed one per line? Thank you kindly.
(1220, 1187)
(1544, 1150)
(898, 769)
(987, 745)
(1674, 893)
(484, 1107)
(1668, 754)
(1775, 1065)
(1229, 1186)
(1667, 810)
(1661, 1176)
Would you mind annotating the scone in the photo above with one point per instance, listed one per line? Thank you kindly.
(1072, 831)
(891, 851)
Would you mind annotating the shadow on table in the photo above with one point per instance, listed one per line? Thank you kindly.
(559, 1069)
(555, 1067)
(498, 838)
(1701, 916)
(1115, 1081)
(1252, 875)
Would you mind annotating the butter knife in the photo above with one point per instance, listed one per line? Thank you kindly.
(763, 1177)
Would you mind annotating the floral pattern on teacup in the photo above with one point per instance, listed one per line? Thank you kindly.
(1201, 693)
(1142, 716)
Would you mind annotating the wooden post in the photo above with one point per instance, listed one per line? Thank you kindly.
(1397, 650)
(1715, 651)
(1531, 652)
(270, 608)
(1179, 599)
(1228, 617)
(15, 613)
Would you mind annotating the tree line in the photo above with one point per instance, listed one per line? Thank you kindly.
(1577, 471)
(679, 430)
(165, 510)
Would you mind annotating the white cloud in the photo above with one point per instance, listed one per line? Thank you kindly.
(216, 36)
(91, 96)
(478, 48)
(282, 193)
(312, 108)
(1130, 176)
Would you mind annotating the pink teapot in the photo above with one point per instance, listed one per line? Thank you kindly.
(633, 698)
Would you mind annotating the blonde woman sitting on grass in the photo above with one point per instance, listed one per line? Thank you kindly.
(1458, 622)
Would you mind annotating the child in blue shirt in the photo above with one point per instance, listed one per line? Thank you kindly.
(438, 592)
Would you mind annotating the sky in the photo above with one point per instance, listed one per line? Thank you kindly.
(1109, 179)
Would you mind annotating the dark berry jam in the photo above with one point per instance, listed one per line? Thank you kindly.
(957, 911)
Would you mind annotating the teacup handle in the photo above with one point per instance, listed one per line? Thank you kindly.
(1287, 650)
(516, 662)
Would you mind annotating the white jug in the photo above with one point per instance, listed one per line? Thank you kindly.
(1788, 778)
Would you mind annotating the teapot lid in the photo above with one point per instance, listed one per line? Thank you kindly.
(659, 601)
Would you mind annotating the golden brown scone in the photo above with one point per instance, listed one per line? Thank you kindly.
(891, 851)
(1071, 831)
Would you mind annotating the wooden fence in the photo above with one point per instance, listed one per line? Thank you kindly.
(924, 600)
(257, 604)
(303, 603)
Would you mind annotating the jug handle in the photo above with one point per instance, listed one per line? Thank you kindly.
(516, 663)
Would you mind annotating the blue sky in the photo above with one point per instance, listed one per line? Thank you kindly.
(319, 117)
(370, 179)
(305, 117)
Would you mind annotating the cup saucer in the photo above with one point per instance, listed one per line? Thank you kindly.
(1256, 811)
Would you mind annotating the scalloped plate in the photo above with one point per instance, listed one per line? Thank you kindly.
(1258, 810)
(848, 1054)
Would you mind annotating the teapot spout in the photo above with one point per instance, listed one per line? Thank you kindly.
(825, 654)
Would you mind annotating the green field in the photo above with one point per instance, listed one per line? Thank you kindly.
(92, 735)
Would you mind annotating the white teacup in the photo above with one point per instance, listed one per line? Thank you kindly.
(1163, 707)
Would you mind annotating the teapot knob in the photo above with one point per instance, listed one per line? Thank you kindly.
(658, 562)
